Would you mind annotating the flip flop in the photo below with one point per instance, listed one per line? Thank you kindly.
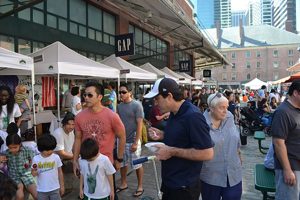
(138, 193)
(121, 189)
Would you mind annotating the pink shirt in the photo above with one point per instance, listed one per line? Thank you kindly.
(101, 126)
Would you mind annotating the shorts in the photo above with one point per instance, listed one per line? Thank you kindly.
(129, 156)
(52, 195)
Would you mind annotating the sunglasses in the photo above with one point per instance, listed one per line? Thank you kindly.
(219, 95)
(123, 92)
(89, 95)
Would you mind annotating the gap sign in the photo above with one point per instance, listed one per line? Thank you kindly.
(124, 45)
(185, 66)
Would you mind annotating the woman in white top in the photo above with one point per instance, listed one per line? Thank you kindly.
(76, 101)
(9, 110)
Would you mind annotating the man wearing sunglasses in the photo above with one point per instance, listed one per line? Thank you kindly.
(186, 142)
(99, 123)
(131, 113)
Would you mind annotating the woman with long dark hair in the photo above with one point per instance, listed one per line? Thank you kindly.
(9, 110)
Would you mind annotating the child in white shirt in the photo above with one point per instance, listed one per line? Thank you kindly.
(47, 167)
(96, 179)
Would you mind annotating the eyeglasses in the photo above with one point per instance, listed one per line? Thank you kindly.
(123, 92)
(219, 95)
(89, 95)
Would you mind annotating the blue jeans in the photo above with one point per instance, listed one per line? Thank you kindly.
(284, 191)
(212, 192)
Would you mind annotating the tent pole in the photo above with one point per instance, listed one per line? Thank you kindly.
(118, 87)
(58, 97)
(33, 102)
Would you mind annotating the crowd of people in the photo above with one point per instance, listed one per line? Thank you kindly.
(200, 153)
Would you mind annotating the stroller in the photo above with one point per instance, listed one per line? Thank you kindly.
(250, 122)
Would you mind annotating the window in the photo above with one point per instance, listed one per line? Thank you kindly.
(224, 76)
(77, 13)
(233, 76)
(258, 54)
(109, 27)
(275, 76)
(24, 47)
(233, 56)
(257, 64)
(275, 53)
(233, 65)
(247, 54)
(248, 76)
(37, 46)
(248, 65)
(291, 52)
(275, 64)
(291, 63)
(7, 42)
(258, 75)
(57, 7)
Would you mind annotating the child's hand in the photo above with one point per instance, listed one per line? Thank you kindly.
(62, 190)
(81, 193)
(112, 195)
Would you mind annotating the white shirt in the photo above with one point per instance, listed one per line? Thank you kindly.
(47, 179)
(32, 146)
(76, 100)
(4, 116)
(64, 141)
(96, 171)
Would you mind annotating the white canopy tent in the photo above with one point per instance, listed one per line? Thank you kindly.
(160, 74)
(12, 63)
(134, 72)
(255, 84)
(57, 59)
(182, 79)
(194, 80)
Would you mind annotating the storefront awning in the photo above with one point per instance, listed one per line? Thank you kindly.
(169, 19)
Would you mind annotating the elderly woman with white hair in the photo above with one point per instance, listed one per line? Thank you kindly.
(221, 177)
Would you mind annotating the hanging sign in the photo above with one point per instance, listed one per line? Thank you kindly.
(124, 44)
(185, 66)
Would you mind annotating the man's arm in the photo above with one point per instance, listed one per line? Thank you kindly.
(165, 152)
(281, 154)
(139, 127)
(61, 181)
(76, 147)
(64, 155)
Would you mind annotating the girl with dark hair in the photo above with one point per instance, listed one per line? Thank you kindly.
(9, 110)
(19, 165)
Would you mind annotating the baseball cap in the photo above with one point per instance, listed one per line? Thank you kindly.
(163, 86)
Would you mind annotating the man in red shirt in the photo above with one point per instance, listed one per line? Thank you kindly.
(99, 123)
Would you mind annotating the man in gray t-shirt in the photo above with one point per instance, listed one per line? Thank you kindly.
(286, 139)
(131, 114)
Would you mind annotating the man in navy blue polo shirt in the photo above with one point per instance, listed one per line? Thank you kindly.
(187, 142)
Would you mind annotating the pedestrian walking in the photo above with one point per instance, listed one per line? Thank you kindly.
(285, 131)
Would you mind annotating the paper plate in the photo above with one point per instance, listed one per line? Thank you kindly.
(151, 147)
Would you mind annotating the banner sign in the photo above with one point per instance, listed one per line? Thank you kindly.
(185, 66)
(207, 73)
(124, 44)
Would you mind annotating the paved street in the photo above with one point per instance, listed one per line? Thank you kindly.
(250, 155)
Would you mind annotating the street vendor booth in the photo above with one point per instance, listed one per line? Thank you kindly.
(255, 84)
(182, 79)
(128, 70)
(12, 63)
(57, 60)
(160, 74)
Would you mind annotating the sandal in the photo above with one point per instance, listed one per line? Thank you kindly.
(118, 189)
(138, 193)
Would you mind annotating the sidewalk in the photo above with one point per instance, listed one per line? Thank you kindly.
(250, 156)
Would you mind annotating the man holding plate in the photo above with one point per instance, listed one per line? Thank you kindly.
(186, 142)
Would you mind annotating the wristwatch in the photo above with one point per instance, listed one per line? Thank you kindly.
(119, 159)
